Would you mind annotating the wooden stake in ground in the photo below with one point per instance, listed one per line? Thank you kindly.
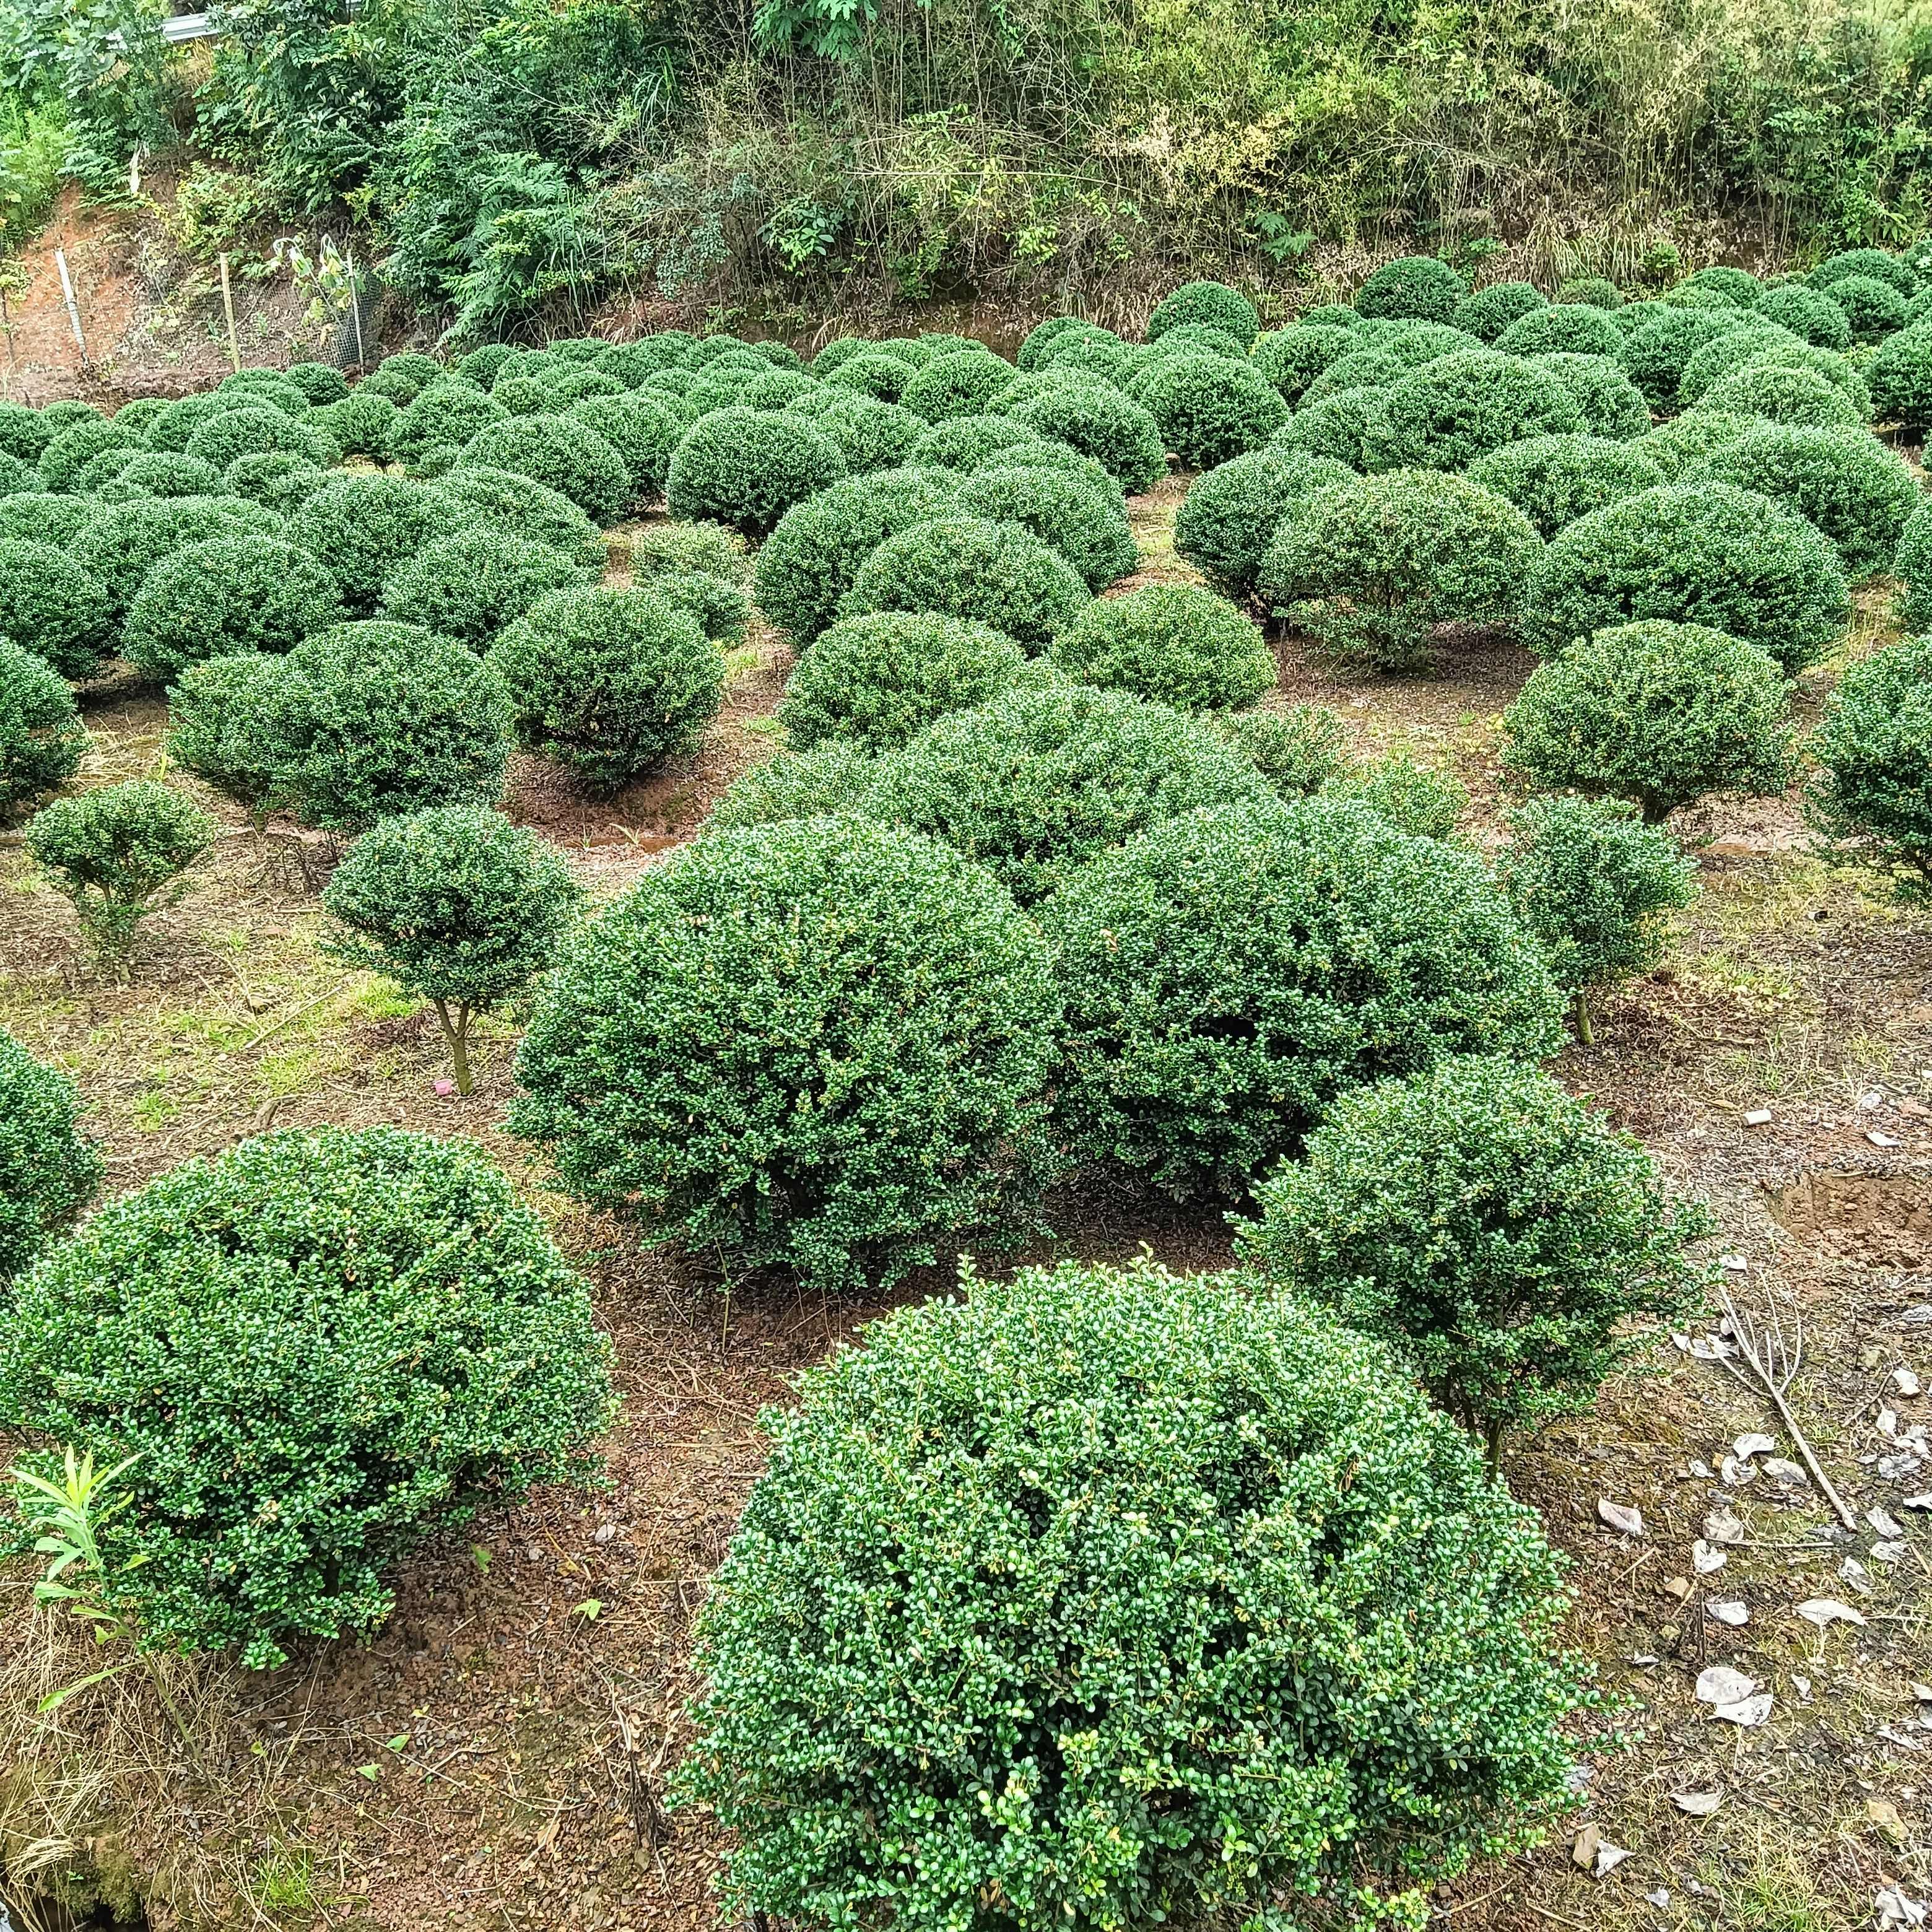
(228, 310)
(73, 306)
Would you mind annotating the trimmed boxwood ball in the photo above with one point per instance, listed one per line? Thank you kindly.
(1039, 780)
(1298, 750)
(662, 550)
(1423, 800)
(469, 586)
(1554, 479)
(721, 607)
(963, 442)
(1685, 441)
(1371, 368)
(1844, 481)
(610, 683)
(65, 413)
(808, 565)
(71, 452)
(642, 431)
(24, 432)
(835, 776)
(1047, 454)
(1750, 349)
(167, 432)
(1611, 404)
(956, 385)
(362, 528)
(1446, 414)
(1334, 427)
(53, 608)
(1913, 565)
(1228, 516)
(104, 468)
(1872, 309)
(40, 517)
(1874, 262)
(362, 423)
(874, 373)
(217, 713)
(148, 1336)
(48, 1169)
(1738, 287)
(525, 508)
(1084, 521)
(270, 386)
(1487, 312)
(912, 1555)
(1369, 566)
(1659, 713)
(1208, 408)
(1212, 304)
(1655, 355)
(1900, 376)
(162, 473)
(16, 476)
(1697, 554)
(402, 377)
(237, 432)
(1176, 643)
(42, 739)
(121, 542)
(1039, 339)
(277, 478)
(1783, 395)
(318, 383)
(778, 388)
(525, 395)
(879, 680)
(444, 416)
(999, 574)
(819, 1044)
(744, 468)
(1100, 422)
(564, 455)
(1510, 1245)
(227, 594)
(1807, 312)
(1874, 753)
(1291, 359)
(362, 721)
(869, 434)
(1418, 285)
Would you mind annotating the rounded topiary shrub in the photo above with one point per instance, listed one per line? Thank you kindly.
(964, 566)
(963, 442)
(1565, 329)
(1782, 394)
(1872, 308)
(523, 508)
(1699, 553)
(365, 720)
(53, 608)
(248, 430)
(227, 594)
(1448, 413)
(1041, 779)
(1418, 286)
(1298, 750)
(71, 452)
(1511, 1247)
(48, 1170)
(1749, 350)
(1083, 520)
(1282, 1725)
(1228, 516)
(24, 432)
(1370, 566)
(819, 1045)
(38, 516)
(161, 473)
(1912, 564)
(1208, 408)
(1487, 312)
(1681, 444)
(1874, 263)
(1554, 479)
(318, 383)
(1332, 427)
(402, 377)
(1211, 304)
(1807, 312)
(834, 776)
(121, 542)
(1227, 972)
(442, 417)
(1659, 713)
(42, 739)
(869, 434)
(362, 423)
(275, 478)
(642, 432)
(1874, 753)
(1610, 403)
(1291, 359)
(1174, 642)
(1100, 422)
(1900, 376)
(1375, 367)
(562, 454)
(609, 683)
(1844, 481)
(367, 1335)
(1655, 355)
(745, 469)
(810, 563)
(956, 385)
(362, 528)
(469, 586)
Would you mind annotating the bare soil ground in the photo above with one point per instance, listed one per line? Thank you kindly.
(495, 1757)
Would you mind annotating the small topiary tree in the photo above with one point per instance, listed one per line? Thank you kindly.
(522, 508)
(42, 740)
(1500, 1235)
(1369, 566)
(673, 549)
(1900, 375)
(1698, 553)
(48, 1170)
(1656, 712)
(610, 683)
(997, 573)
(217, 711)
(229, 594)
(562, 454)
(1567, 329)
(38, 516)
(1782, 394)
(1487, 312)
(1291, 359)
(361, 529)
(1208, 408)
(117, 852)
(819, 1044)
(362, 423)
(879, 680)
(1554, 479)
(642, 431)
(455, 904)
(1229, 515)
(24, 432)
(402, 377)
(470, 585)
(1175, 642)
(1099, 422)
(1874, 753)
(874, 373)
(1807, 312)
(745, 469)
(1042, 779)
(247, 430)
(1424, 801)
(1210, 304)
(442, 417)
(443, 1354)
(1375, 367)
(318, 383)
(1417, 286)
(1450, 411)
(1593, 883)
(869, 434)
(52, 608)
(1750, 348)
(1080, 518)
(1270, 1783)
(1681, 444)
(70, 451)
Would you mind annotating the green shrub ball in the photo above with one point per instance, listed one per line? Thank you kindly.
(1807, 312)
(1798, 397)
(1448, 413)
(42, 740)
(1875, 263)
(1370, 566)
(228, 594)
(745, 469)
(1658, 713)
(867, 434)
(121, 542)
(443, 1356)
(444, 416)
(1568, 329)
(1655, 355)
(48, 1170)
(1045, 777)
(1291, 359)
(38, 516)
(1423, 800)
(609, 683)
(1175, 642)
(562, 454)
(1509, 1244)
(998, 574)
(468, 587)
(1487, 312)
(1554, 479)
(819, 1045)
(1210, 304)
(1083, 519)
(217, 723)
(1413, 287)
(1872, 309)
(1332, 427)
(892, 1574)
(1699, 553)
(248, 431)
(362, 423)
(963, 442)
(522, 508)
(1100, 422)
(1611, 404)
(1228, 516)
(1874, 753)
(52, 608)
(277, 478)
(70, 452)
(1208, 408)
(956, 385)
(1900, 375)
(1912, 563)
(159, 473)
(362, 528)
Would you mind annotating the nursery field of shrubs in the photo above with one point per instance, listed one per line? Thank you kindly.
(1093, 1593)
